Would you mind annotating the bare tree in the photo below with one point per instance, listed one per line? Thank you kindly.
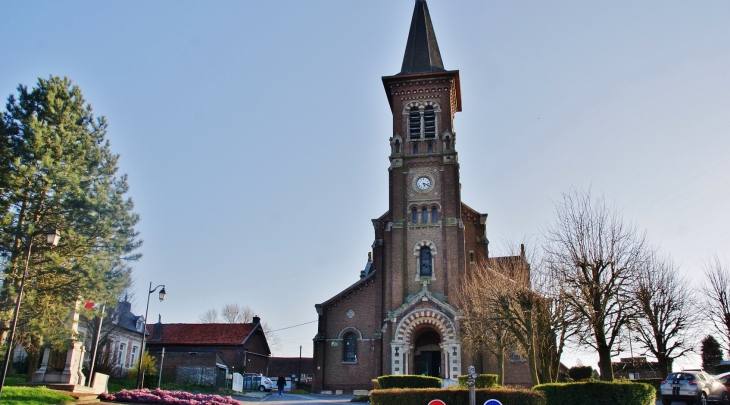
(717, 295)
(210, 316)
(237, 313)
(482, 330)
(556, 321)
(595, 255)
(664, 300)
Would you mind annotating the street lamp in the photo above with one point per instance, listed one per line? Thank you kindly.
(144, 330)
(52, 238)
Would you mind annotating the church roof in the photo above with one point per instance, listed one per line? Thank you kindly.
(422, 51)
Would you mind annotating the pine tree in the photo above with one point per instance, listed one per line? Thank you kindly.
(57, 171)
(711, 353)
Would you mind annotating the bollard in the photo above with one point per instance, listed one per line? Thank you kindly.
(470, 382)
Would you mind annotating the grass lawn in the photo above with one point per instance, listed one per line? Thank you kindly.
(32, 396)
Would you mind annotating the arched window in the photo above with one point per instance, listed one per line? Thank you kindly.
(414, 123)
(429, 122)
(349, 352)
(424, 216)
(425, 262)
(414, 215)
(415, 148)
(397, 146)
(434, 215)
(430, 147)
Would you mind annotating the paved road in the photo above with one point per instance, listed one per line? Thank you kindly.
(296, 399)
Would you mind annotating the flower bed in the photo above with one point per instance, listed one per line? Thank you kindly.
(162, 397)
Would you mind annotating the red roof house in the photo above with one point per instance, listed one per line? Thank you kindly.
(215, 348)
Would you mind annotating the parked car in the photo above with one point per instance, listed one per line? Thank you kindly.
(693, 387)
(257, 382)
(724, 378)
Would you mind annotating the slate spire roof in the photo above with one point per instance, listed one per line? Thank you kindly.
(422, 51)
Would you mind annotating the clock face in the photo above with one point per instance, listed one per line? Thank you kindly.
(423, 183)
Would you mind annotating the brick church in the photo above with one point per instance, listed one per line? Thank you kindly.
(402, 316)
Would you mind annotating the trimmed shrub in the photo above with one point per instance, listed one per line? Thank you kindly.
(579, 373)
(507, 396)
(374, 381)
(598, 393)
(408, 381)
(482, 381)
(654, 382)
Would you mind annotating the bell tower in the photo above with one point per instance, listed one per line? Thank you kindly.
(425, 201)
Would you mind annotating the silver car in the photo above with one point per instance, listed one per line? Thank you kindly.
(693, 387)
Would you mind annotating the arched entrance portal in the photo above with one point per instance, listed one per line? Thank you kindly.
(425, 342)
(427, 353)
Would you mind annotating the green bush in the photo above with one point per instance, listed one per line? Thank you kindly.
(654, 382)
(408, 381)
(506, 396)
(579, 373)
(598, 393)
(722, 368)
(482, 381)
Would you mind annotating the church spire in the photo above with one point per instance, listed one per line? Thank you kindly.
(422, 51)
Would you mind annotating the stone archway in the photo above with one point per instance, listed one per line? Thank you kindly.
(411, 327)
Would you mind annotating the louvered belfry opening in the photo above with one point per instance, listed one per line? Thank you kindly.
(414, 123)
(429, 122)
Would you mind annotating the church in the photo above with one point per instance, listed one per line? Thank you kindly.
(402, 315)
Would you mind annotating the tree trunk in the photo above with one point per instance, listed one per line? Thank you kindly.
(500, 366)
(34, 354)
(604, 362)
(532, 363)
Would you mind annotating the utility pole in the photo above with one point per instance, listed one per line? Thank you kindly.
(299, 378)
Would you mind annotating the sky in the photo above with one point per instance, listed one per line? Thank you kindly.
(255, 134)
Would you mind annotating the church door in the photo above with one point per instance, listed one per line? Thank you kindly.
(427, 358)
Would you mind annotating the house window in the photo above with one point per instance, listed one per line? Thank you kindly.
(434, 215)
(414, 216)
(120, 356)
(134, 356)
(414, 123)
(429, 122)
(424, 216)
(349, 353)
(425, 262)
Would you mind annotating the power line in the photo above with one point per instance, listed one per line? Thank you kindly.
(289, 327)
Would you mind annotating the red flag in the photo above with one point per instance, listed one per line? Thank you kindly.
(89, 304)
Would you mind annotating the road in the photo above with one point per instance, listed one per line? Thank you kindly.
(296, 399)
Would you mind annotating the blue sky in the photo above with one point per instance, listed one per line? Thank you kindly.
(255, 134)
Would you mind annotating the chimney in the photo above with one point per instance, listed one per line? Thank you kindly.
(157, 329)
(256, 319)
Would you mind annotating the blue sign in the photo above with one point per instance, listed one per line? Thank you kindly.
(492, 402)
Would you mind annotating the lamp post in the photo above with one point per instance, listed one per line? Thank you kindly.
(52, 238)
(144, 330)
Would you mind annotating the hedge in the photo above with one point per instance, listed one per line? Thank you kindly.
(579, 373)
(408, 381)
(482, 381)
(598, 393)
(654, 382)
(507, 396)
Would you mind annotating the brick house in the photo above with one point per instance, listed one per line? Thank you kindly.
(634, 368)
(402, 315)
(289, 366)
(202, 353)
